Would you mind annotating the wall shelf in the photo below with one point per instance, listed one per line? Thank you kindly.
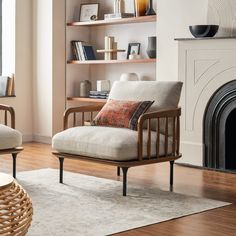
(91, 100)
(90, 62)
(130, 20)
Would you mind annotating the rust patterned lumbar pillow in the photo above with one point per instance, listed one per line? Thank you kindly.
(123, 114)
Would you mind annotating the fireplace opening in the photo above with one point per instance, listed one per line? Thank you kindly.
(219, 129)
(230, 141)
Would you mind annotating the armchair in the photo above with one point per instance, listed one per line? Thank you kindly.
(10, 139)
(156, 140)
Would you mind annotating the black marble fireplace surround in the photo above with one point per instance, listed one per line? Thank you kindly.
(219, 129)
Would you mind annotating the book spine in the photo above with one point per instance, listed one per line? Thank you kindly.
(74, 50)
(114, 54)
(81, 51)
(78, 50)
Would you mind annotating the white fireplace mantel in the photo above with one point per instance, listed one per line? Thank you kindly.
(204, 66)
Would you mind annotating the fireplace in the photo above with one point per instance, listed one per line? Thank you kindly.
(207, 68)
(219, 129)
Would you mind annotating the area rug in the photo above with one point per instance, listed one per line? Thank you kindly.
(87, 205)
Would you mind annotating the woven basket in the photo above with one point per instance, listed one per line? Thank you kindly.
(15, 210)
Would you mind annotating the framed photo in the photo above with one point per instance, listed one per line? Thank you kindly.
(133, 48)
(88, 12)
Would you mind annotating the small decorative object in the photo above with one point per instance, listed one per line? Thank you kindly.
(117, 16)
(89, 11)
(103, 85)
(140, 7)
(129, 77)
(118, 6)
(150, 11)
(133, 48)
(15, 207)
(151, 49)
(201, 31)
(85, 87)
(110, 51)
(134, 56)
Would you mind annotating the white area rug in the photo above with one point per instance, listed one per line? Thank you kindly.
(87, 205)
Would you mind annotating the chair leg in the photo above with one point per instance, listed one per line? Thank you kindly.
(118, 171)
(124, 170)
(14, 155)
(171, 173)
(61, 160)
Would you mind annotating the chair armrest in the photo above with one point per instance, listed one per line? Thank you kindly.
(82, 110)
(11, 111)
(163, 119)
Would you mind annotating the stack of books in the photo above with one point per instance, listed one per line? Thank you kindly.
(7, 86)
(99, 94)
(82, 51)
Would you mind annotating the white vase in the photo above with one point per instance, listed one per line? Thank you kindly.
(129, 77)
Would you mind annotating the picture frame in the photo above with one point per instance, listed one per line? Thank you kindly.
(88, 12)
(133, 48)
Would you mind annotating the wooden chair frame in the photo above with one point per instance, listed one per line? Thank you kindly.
(8, 110)
(168, 116)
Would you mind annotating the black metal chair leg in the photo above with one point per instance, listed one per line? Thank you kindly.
(14, 155)
(171, 174)
(61, 160)
(124, 170)
(118, 171)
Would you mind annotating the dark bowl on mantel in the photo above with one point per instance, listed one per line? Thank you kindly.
(202, 31)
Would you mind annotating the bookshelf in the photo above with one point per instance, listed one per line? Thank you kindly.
(125, 31)
(112, 61)
(131, 20)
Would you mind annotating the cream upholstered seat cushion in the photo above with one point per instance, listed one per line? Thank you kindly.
(9, 138)
(104, 142)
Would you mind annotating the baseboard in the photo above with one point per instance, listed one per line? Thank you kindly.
(36, 138)
(26, 138)
(42, 139)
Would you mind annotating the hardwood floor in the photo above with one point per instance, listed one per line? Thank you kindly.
(196, 182)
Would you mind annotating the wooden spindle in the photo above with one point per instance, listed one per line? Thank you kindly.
(174, 138)
(5, 117)
(178, 135)
(158, 137)
(82, 118)
(74, 119)
(91, 116)
(166, 137)
(149, 139)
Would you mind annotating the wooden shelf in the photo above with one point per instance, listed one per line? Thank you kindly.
(130, 20)
(91, 100)
(90, 62)
(8, 96)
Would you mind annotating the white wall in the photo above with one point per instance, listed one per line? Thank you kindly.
(174, 17)
(8, 37)
(22, 103)
(42, 69)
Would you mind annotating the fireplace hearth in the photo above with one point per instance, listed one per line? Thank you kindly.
(220, 129)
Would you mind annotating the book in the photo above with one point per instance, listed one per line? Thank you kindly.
(10, 86)
(4, 83)
(88, 52)
(74, 50)
(117, 16)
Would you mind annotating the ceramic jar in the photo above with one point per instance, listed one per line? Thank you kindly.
(85, 87)
(151, 49)
(129, 77)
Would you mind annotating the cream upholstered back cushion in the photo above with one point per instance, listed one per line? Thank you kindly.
(166, 94)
